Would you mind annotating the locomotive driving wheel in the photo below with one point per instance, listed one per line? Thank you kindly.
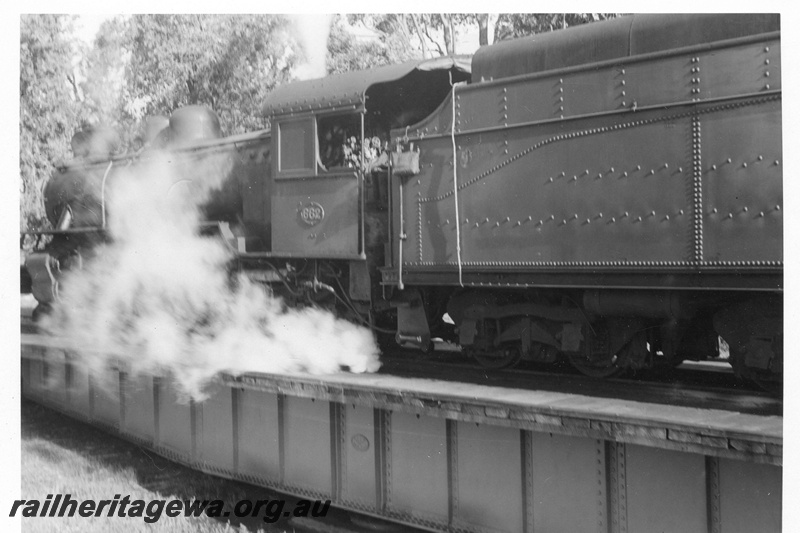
(500, 357)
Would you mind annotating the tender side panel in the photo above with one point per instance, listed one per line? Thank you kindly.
(739, 70)
(648, 173)
(632, 82)
(597, 193)
(746, 69)
(742, 173)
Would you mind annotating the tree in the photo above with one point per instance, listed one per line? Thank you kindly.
(226, 62)
(486, 28)
(49, 106)
(440, 30)
(103, 65)
(138, 66)
(396, 33)
(513, 26)
(346, 52)
(435, 34)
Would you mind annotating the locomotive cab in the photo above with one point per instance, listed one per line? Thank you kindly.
(330, 174)
(330, 193)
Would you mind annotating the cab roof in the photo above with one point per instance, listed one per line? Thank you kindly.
(349, 88)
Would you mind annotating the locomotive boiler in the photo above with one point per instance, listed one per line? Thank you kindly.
(608, 195)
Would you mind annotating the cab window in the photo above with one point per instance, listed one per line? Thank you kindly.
(339, 138)
(296, 151)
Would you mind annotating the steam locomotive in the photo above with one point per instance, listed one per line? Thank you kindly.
(608, 195)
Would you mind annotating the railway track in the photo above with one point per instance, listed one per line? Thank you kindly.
(698, 385)
(702, 386)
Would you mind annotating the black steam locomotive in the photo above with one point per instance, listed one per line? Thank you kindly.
(609, 195)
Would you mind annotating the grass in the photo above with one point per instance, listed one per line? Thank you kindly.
(60, 455)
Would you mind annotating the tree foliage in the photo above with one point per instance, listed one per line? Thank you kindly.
(226, 62)
(138, 66)
(49, 107)
(346, 52)
(512, 26)
(396, 34)
(436, 34)
(103, 88)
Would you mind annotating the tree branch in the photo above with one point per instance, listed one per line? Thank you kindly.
(425, 53)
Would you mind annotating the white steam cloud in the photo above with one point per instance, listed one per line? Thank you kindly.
(160, 300)
(312, 33)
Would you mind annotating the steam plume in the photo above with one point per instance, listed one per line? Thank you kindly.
(161, 300)
(312, 33)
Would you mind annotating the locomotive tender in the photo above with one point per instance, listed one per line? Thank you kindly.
(609, 194)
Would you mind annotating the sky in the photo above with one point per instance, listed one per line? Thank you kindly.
(88, 24)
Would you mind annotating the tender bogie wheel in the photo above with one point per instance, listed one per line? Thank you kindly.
(501, 357)
(764, 379)
(767, 383)
(597, 366)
